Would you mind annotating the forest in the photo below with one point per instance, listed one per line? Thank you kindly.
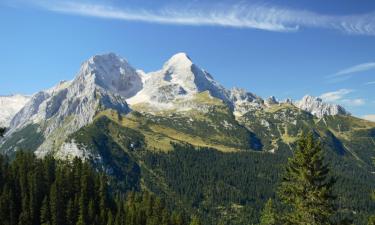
(50, 192)
(202, 187)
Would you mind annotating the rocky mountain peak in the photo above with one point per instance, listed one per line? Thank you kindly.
(179, 60)
(111, 72)
(179, 78)
(319, 108)
(271, 101)
(240, 94)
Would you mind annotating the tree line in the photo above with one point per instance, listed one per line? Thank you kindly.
(47, 191)
(50, 192)
(232, 188)
(306, 190)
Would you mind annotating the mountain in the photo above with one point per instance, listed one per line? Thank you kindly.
(179, 133)
(318, 108)
(179, 103)
(9, 106)
(103, 82)
(179, 78)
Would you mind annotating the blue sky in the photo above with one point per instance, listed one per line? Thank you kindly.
(283, 48)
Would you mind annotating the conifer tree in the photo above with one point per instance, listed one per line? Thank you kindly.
(268, 216)
(56, 205)
(2, 131)
(70, 213)
(103, 198)
(110, 219)
(371, 220)
(176, 218)
(45, 214)
(306, 187)
(195, 221)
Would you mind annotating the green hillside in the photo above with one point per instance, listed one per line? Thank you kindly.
(201, 158)
(224, 186)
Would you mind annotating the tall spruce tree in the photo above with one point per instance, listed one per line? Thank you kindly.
(371, 220)
(2, 131)
(195, 221)
(45, 214)
(268, 216)
(306, 187)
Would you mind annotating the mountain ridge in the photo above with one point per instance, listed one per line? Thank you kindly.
(180, 134)
(108, 81)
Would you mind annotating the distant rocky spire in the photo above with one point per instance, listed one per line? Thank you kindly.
(317, 107)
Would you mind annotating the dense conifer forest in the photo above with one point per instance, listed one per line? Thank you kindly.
(49, 192)
(186, 186)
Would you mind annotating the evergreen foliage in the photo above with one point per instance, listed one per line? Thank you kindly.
(268, 216)
(307, 187)
(371, 220)
(49, 192)
(2, 131)
(232, 188)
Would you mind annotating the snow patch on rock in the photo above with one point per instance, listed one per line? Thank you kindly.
(179, 79)
(103, 82)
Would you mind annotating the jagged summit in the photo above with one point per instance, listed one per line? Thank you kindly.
(178, 78)
(111, 72)
(103, 82)
(108, 81)
(240, 94)
(243, 101)
(271, 101)
(178, 60)
(317, 107)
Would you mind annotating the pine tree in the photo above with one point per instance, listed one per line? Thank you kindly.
(110, 219)
(103, 198)
(56, 205)
(371, 220)
(195, 221)
(2, 131)
(268, 216)
(306, 188)
(5, 200)
(70, 213)
(45, 213)
(177, 219)
(84, 200)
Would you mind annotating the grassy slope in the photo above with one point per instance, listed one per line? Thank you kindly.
(215, 127)
(248, 177)
(125, 143)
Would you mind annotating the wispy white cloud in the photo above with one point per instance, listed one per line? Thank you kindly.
(370, 83)
(347, 73)
(264, 17)
(370, 117)
(353, 102)
(335, 96)
(356, 69)
(341, 97)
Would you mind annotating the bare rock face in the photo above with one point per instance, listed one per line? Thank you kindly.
(103, 82)
(243, 101)
(108, 82)
(317, 107)
(179, 78)
(271, 101)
